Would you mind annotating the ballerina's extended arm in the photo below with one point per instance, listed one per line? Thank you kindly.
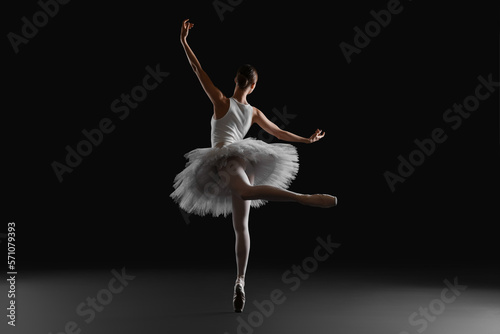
(214, 94)
(281, 134)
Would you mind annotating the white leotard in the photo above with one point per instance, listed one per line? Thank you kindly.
(233, 126)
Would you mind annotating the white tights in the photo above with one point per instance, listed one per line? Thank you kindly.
(243, 191)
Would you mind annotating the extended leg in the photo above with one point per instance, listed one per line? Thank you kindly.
(234, 172)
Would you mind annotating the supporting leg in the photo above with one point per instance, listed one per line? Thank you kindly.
(240, 178)
(241, 211)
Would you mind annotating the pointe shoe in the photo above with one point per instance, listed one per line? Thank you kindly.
(239, 297)
(320, 200)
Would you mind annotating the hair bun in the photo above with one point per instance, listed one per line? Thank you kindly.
(246, 76)
(242, 81)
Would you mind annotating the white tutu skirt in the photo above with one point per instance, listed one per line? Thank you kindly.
(199, 188)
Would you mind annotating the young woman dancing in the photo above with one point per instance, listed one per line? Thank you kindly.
(237, 173)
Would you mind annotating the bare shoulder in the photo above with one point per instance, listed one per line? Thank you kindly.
(221, 107)
(256, 114)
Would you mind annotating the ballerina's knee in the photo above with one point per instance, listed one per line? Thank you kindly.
(245, 192)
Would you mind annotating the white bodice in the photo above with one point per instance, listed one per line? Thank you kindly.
(233, 126)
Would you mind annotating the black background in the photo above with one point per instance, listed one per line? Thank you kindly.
(114, 208)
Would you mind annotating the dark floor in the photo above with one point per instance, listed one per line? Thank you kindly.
(200, 301)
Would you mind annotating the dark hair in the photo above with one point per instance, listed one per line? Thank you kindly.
(246, 75)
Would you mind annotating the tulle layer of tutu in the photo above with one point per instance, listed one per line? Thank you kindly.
(201, 190)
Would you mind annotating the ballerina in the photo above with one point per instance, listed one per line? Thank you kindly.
(237, 173)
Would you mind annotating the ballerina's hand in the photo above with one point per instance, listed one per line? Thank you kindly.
(186, 26)
(317, 135)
